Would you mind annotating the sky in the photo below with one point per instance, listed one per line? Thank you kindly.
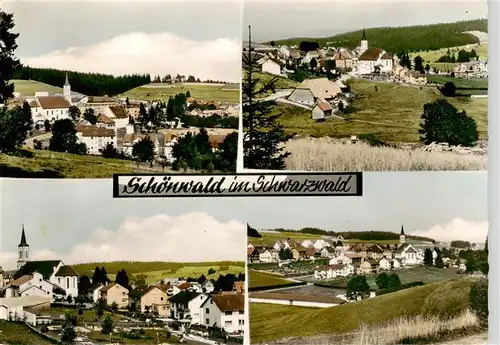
(200, 38)
(304, 18)
(77, 220)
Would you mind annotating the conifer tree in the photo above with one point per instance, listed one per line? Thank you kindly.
(263, 134)
(8, 62)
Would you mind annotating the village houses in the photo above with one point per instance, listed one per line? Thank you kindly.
(225, 311)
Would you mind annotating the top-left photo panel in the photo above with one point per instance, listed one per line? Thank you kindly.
(88, 90)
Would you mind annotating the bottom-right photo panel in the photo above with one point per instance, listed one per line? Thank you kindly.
(406, 263)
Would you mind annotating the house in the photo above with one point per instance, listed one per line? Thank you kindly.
(105, 122)
(321, 111)
(51, 108)
(153, 299)
(225, 311)
(130, 139)
(253, 255)
(186, 306)
(313, 54)
(29, 285)
(307, 243)
(268, 255)
(118, 115)
(271, 66)
(320, 244)
(25, 308)
(365, 267)
(54, 272)
(285, 51)
(281, 245)
(416, 78)
(99, 104)
(343, 59)
(114, 293)
(385, 264)
(299, 252)
(311, 91)
(348, 258)
(396, 263)
(208, 286)
(327, 252)
(333, 271)
(94, 292)
(375, 252)
(96, 138)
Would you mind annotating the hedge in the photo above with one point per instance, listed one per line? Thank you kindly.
(271, 287)
(400, 287)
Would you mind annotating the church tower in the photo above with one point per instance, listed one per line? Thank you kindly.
(402, 237)
(23, 251)
(364, 43)
(67, 89)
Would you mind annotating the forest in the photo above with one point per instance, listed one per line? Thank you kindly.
(89, 84)
(407, 38)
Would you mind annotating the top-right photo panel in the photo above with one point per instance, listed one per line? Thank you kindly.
(365, 86)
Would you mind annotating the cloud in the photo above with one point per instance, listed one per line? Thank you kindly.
(157, 54)
(191, 237)
(457, 229)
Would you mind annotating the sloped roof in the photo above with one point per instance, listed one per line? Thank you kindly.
(371, 54)
(45, 268)
(67, 271)
(118, 112)
(105, 119)
(322, 88)
(229, 302)
(53, 102)
(184, 297)
(95, 131)
(100, 99)
(109, 286)
(21, 280)
(324, 106)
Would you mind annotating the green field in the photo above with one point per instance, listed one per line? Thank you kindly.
(204, 92)
(155, 271)
(29, 87)
(410, 275)
(270, 238)
(150, 336)
(12, 333)
(392, 113)
(89, 315)
(433, 55)
(272, 322)
(477, 83)
(261, 279)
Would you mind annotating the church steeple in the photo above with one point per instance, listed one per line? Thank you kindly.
(363, 38)
(67, 89)
(23, 250)
(364, 43)
(402, 236)
(23, 239)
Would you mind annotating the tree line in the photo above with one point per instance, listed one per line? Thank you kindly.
(183, 79)
(408, 38)
(461, 56)
(90, 84)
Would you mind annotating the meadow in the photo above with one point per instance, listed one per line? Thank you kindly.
(408, 275)
(18, 334)
(280, 83)
(261, 279)
(477, 83)
(389, 111)
(327, 154)
(204, 92)
(153, 272)
(29, 87)
(447, 299)
(432, 56)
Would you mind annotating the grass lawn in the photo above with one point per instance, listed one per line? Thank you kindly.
(260, 279)
(392, 113)
(424, 274)
(434, 55)
(12, 333)
(47, 164)
(89, 315)
(477, 83)
(155, 271)
(271, 322)
(217, 92)
(29, 87)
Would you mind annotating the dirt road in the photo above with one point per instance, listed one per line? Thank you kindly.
(477, 339)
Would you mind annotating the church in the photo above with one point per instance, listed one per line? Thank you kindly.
(371, 59)
(48, 278)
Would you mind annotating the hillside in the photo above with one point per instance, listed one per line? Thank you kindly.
(154, 271)
(200, 91)
(392, 112)
(408, 38)
(444, 299)
(29, 87)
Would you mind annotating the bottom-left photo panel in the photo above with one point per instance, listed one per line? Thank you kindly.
(80, 267)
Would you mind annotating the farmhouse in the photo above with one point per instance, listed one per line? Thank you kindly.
(224, 311)
(327, 252)
(311, 91)
(271, 66)
(99, 104)
(333, 271)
